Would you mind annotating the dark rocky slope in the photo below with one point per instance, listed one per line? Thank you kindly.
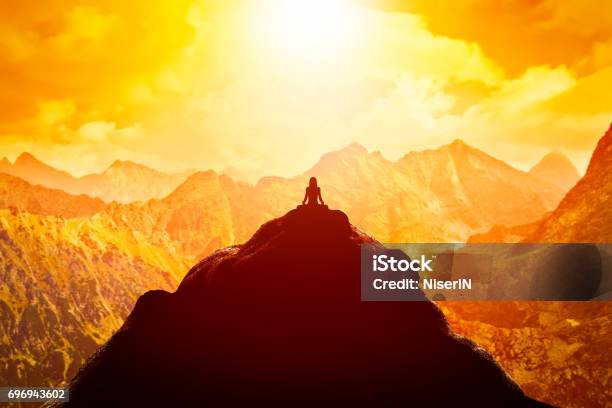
(279, 320)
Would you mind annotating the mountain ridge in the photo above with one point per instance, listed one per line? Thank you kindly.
(122, 181)
(15, 192)
(396, 201)
(102, 183)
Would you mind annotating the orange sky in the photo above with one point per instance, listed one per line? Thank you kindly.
(267, 86)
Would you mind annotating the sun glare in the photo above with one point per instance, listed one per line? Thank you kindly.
(308, 28)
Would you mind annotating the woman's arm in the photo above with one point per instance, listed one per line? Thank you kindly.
(305, 196)
(319, 197)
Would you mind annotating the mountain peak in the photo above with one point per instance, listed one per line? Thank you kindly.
(354, 148)
(127, 165)
(459, 146)
(557, 169)
(329, 162)
(121, 163)
(194, 183)
(456, 149)
(554, 157)
(261, 322)
(200, 176)
(27, 158)
(34, 171)
(458, 143)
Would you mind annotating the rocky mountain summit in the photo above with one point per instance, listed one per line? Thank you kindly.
(279, 321)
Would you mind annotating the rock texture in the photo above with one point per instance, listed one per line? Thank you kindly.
(476, 190)
(503, 233)
(565, 343)
(200, 216)
(14, 192)
(557, 351)
(279, 321)
(67, 285)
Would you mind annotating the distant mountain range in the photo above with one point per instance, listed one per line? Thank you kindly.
(53, 243)
(123, 181)
(444, 194)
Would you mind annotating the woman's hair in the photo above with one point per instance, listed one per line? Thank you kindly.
(313, 182)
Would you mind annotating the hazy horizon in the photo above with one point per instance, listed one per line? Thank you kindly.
(238, 174)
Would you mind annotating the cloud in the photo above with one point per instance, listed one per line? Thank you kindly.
(101, 131)
(581, 18)
(600, 57)
(88, 22)
(518, 95)
(84, 26)
(96, 131)
(517, 34)
(91, 54)
(55, 112)
(544, 109)
(194, 83)
(390, 91)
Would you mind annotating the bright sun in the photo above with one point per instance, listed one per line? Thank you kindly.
(309, 28)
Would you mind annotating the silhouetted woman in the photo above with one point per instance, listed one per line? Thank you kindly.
(313, 193)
